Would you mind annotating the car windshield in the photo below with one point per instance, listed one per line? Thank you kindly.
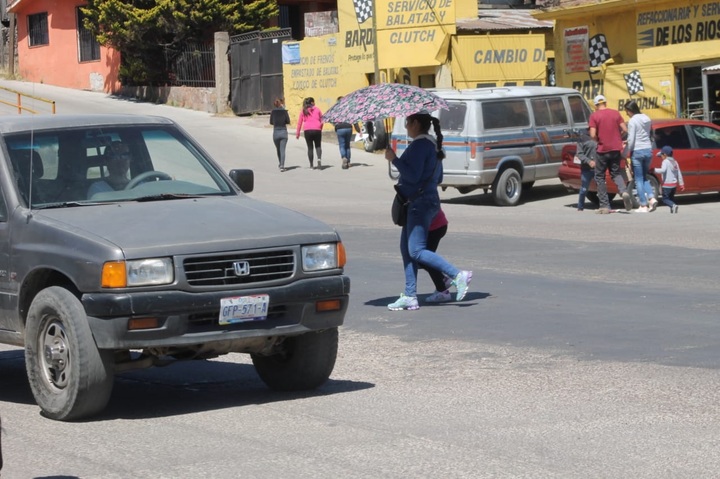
(75, 167)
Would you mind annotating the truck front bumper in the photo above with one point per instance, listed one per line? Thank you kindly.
(188, 318)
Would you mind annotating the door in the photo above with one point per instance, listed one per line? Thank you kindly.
(707, 140)
(553, 128)
(678, 138)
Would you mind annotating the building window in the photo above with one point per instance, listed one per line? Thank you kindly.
(88, 46)
(38, 29)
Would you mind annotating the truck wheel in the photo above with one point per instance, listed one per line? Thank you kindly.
(69, 376)
(379, 140)
(303, 362)
(507, 188)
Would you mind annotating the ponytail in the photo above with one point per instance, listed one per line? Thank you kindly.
(438, 138)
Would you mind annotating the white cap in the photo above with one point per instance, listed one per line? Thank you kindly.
(600, 99)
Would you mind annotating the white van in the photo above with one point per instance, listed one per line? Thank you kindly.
(504, 139)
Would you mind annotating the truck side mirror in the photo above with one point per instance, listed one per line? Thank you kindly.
(245, 179)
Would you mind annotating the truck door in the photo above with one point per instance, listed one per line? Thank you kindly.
(455, 125)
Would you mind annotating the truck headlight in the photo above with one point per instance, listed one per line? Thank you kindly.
(323, 256)
(141, 272)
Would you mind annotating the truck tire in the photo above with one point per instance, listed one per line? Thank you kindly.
(507, 188)
(68, 375)
(379, 140)
(303, 362)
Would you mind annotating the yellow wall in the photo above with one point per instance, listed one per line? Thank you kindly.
(498, 59)
(649, 37)
(414, 38)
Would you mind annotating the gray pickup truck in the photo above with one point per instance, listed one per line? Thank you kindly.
(123, 245)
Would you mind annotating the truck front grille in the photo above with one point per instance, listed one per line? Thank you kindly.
(239, 268)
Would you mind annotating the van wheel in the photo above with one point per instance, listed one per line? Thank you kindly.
(507, 188)
(302, 362)
(68, 375)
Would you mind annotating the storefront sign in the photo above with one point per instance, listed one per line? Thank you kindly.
(671, 26)
(576, 49)
(489, 58)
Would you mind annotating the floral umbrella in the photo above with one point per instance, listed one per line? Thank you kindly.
(384, 100)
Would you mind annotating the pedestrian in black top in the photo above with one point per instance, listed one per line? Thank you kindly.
(344, 133)
(279, 119)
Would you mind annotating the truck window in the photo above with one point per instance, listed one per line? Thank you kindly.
(505, 114)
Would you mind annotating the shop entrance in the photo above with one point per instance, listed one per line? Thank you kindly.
(699, 93)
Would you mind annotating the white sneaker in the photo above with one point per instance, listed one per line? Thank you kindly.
(653, 204)
(643, 209)
(439, 297)
(404, 302)
(461, 282)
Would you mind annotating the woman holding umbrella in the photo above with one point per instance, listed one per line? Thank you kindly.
(310, 121)
(420, 168)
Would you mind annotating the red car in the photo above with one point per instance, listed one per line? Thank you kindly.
(696, 147)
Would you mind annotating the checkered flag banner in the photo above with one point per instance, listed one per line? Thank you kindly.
(598, 52)
(363, 10)
(634, 82)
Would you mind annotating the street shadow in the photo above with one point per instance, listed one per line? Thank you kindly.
(184, 387)
(14, 386)
(536, 193)
(199, 386)
(467, 301)
(290, 168)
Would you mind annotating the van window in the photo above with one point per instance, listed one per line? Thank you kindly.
(453, 119)
(505, 114)
(549, 111)
(674, 136)
(579, 108)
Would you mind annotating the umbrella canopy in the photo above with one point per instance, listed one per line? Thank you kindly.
(384, 100)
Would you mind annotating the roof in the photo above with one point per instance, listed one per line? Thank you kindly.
(502, 92)
(18, 123)
(502, 19)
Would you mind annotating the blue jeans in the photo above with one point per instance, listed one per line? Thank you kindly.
(413, 243)
(641, 165)
(344, 136)
(669, 196)
(586, 177)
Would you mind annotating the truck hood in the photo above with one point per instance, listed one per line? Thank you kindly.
(189, 225)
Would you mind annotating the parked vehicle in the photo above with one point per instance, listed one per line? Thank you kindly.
(504, 139)
(696, 147)
(178, 264)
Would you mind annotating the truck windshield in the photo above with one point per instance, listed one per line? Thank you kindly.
(110, 164)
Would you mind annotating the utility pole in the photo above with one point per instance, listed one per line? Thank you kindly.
(11, 45)
(376, 78)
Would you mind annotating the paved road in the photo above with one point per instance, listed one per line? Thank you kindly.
(588, 346)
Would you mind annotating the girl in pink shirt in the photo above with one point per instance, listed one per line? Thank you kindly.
(311, 118)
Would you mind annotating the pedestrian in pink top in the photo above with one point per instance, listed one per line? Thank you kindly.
(310, 121)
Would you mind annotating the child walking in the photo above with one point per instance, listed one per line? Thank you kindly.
(586, 153)
(672, 177)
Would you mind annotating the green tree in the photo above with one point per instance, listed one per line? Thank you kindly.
(141, 29)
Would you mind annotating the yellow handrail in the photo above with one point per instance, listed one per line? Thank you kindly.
(19, 105)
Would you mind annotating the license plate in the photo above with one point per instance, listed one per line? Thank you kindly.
(244, 308)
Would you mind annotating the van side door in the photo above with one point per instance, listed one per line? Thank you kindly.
(553, 129)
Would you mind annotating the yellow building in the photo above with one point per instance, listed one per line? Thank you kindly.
(427, 43)
(664, 54)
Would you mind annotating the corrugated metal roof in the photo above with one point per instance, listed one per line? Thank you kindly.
(502, 19)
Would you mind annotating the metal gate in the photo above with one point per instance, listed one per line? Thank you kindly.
(256, 76)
